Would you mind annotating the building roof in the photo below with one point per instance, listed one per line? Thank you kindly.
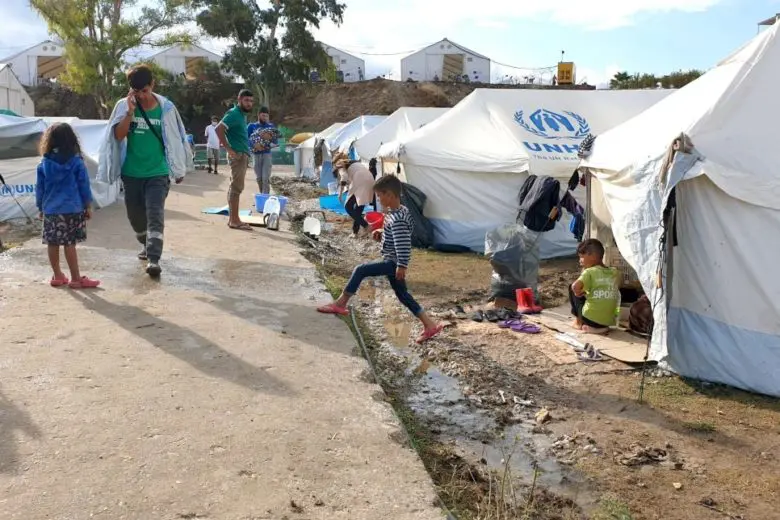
(461, 47)
(193, 45)
(326, 47)
(28, 49)
(770, 21)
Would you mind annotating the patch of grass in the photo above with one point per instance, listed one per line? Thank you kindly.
(612, 508)
(699, 427)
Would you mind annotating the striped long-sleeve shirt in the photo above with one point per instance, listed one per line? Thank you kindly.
(397, 236)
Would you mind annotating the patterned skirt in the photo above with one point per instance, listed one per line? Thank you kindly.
(64, 230)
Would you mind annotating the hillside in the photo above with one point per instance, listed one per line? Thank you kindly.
(305, 107)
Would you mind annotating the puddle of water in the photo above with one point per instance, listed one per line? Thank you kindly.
(437, 400)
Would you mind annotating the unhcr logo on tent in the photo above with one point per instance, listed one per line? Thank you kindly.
(17, 189)
(547, 124)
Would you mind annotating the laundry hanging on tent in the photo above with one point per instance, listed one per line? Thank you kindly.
(538, 197)
(414, 200)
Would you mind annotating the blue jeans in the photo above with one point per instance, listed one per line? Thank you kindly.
(383, 268)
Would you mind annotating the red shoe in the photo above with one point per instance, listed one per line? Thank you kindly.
(84, 283)
(59, 282)
(523, 305)
(430, 333)
(332, 308)
(536, 308)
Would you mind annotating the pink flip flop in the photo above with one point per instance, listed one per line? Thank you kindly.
(59, 282)
(84, 283)
(430, 333)
(332, 308)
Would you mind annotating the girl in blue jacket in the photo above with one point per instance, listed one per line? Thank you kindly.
(63, 196)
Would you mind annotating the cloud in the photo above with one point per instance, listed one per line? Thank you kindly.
(22, 27)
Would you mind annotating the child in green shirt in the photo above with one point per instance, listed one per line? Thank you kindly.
(594, 296)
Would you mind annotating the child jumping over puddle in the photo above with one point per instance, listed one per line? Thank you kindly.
(63, 197)
(594, 296)
(396, 238)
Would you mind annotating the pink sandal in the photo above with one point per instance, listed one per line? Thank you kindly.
(332, 308)
(59, 282)
(430, 333)
(84, 283)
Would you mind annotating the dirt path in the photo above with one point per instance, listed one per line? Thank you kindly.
(215, 393)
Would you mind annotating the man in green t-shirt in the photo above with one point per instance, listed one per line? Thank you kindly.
(232, 132)
(594, 296)
(145, 169)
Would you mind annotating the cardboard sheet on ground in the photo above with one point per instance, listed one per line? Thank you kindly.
(224, 211)
(618, 344)
(253, 220)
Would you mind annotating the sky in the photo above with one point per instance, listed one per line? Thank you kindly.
(601, 37)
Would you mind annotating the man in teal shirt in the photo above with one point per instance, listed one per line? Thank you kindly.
(145, 169)
(232, 133)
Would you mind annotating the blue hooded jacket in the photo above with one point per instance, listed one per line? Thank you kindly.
(63, 185)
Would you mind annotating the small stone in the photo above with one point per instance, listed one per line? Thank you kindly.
(543, 416)
(678, 486)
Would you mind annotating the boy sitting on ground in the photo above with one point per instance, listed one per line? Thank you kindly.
(594, 296)
(396, 238)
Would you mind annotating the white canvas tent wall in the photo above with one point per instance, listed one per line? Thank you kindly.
(718, 318)
(13, 96)
(305, 165)
(20, 172)
(472, 161)
(399, 125)
(350, 132)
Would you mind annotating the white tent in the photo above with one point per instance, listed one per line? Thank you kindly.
(398, 125)
(346, 135)
(13, 96)
(18, 141)
(472, 161)
(718, 315)
(304, 154)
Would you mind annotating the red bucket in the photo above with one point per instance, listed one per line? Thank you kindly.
(375, 219)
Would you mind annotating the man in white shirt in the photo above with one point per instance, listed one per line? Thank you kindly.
(212, 144)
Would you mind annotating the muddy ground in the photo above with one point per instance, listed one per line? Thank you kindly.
(494, 416)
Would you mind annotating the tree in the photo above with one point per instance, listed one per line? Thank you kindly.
(624, 80)
(96, 35)
(273, 45)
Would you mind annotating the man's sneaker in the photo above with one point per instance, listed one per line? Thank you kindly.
(142, 255)
(153, 269)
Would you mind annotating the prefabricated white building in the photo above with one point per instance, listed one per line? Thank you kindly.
(443, 61)
(39, 62)
(717, 315)
(472, 161)
(353, 68)
(184, 59)
(13, 97)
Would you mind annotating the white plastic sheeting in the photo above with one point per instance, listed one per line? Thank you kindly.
(20, 173)
(472, 161)
(306, 160)
(718, 317)
(352, 131)
(398, 125)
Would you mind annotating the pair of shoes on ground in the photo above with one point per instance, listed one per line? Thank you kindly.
(83, 283)
(153, 269)
(332, 308)
(495, 315)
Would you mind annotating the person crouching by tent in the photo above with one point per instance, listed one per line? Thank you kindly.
(594, 296)
(356, 180)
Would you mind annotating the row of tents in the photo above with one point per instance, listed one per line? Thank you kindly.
(685, 183)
